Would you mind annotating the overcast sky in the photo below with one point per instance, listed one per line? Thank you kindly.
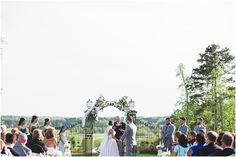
(58, 54)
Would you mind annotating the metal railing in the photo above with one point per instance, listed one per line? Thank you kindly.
(148, 137)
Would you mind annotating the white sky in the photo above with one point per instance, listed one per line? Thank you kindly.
(61, 53)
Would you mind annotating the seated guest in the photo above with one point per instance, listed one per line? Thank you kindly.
(15, 132)
(176, 137)
(192, 137)
(36, 145)
(22, 126)
(3, 149)
(227, 142)
(234, 136)
(182, 147)
(183, 128)
(10, 138)
(210, 148)
(202, 131)
(218, 141)
(20, 147)
(46, 126)
(31, 133)
(50, 140)
(200, 140)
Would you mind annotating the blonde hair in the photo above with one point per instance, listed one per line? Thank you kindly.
(50, 133)
(37, 134)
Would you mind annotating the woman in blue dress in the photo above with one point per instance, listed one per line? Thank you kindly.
(22, 126)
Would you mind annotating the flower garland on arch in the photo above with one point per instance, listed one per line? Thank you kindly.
(101, 103)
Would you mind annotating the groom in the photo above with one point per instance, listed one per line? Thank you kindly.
(130, 135)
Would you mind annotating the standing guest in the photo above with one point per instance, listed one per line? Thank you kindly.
(227, 142)
(192, 137)
(50, 141)
(46, 126)
(10, 138)
(183, 126)
(119, 128)
(20, 147)
(3, 130)
(167, 134)
(22, 126)
(200, 141)
(210, 148)
(218, 141)
(199, 126)
(34, 123)
(36, 144)
(63, 139)
(182, 148)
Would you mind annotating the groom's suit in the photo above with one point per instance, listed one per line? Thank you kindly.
(130, 135)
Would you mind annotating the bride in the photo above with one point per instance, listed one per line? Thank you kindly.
(108, 146)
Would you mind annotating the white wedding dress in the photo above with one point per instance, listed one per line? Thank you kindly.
(108, 146)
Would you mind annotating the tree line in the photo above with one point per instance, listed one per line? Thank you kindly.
(100, 124)
(209, 91)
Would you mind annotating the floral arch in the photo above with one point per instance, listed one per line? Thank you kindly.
(90, 116)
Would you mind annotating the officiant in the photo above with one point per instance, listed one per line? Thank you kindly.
(119, 128)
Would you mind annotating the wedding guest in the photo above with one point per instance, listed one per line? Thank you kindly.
(183, 126)
(10, 138)
(177, 135)
(46, 126)
(167, 134)
(119, 128)
(199, 126)
(15, 132)
(234, 136)
(63, 139)
(22, 126)
(20, 147)
(31, 133)
(218, 141)
(182, 147)
(200, 141)
(192, 137)
(227, 142)
(50, 141)
(202, 131)
(34, 123)
(210, 148)
(36, 144)
(4, 152)
(3, 130)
